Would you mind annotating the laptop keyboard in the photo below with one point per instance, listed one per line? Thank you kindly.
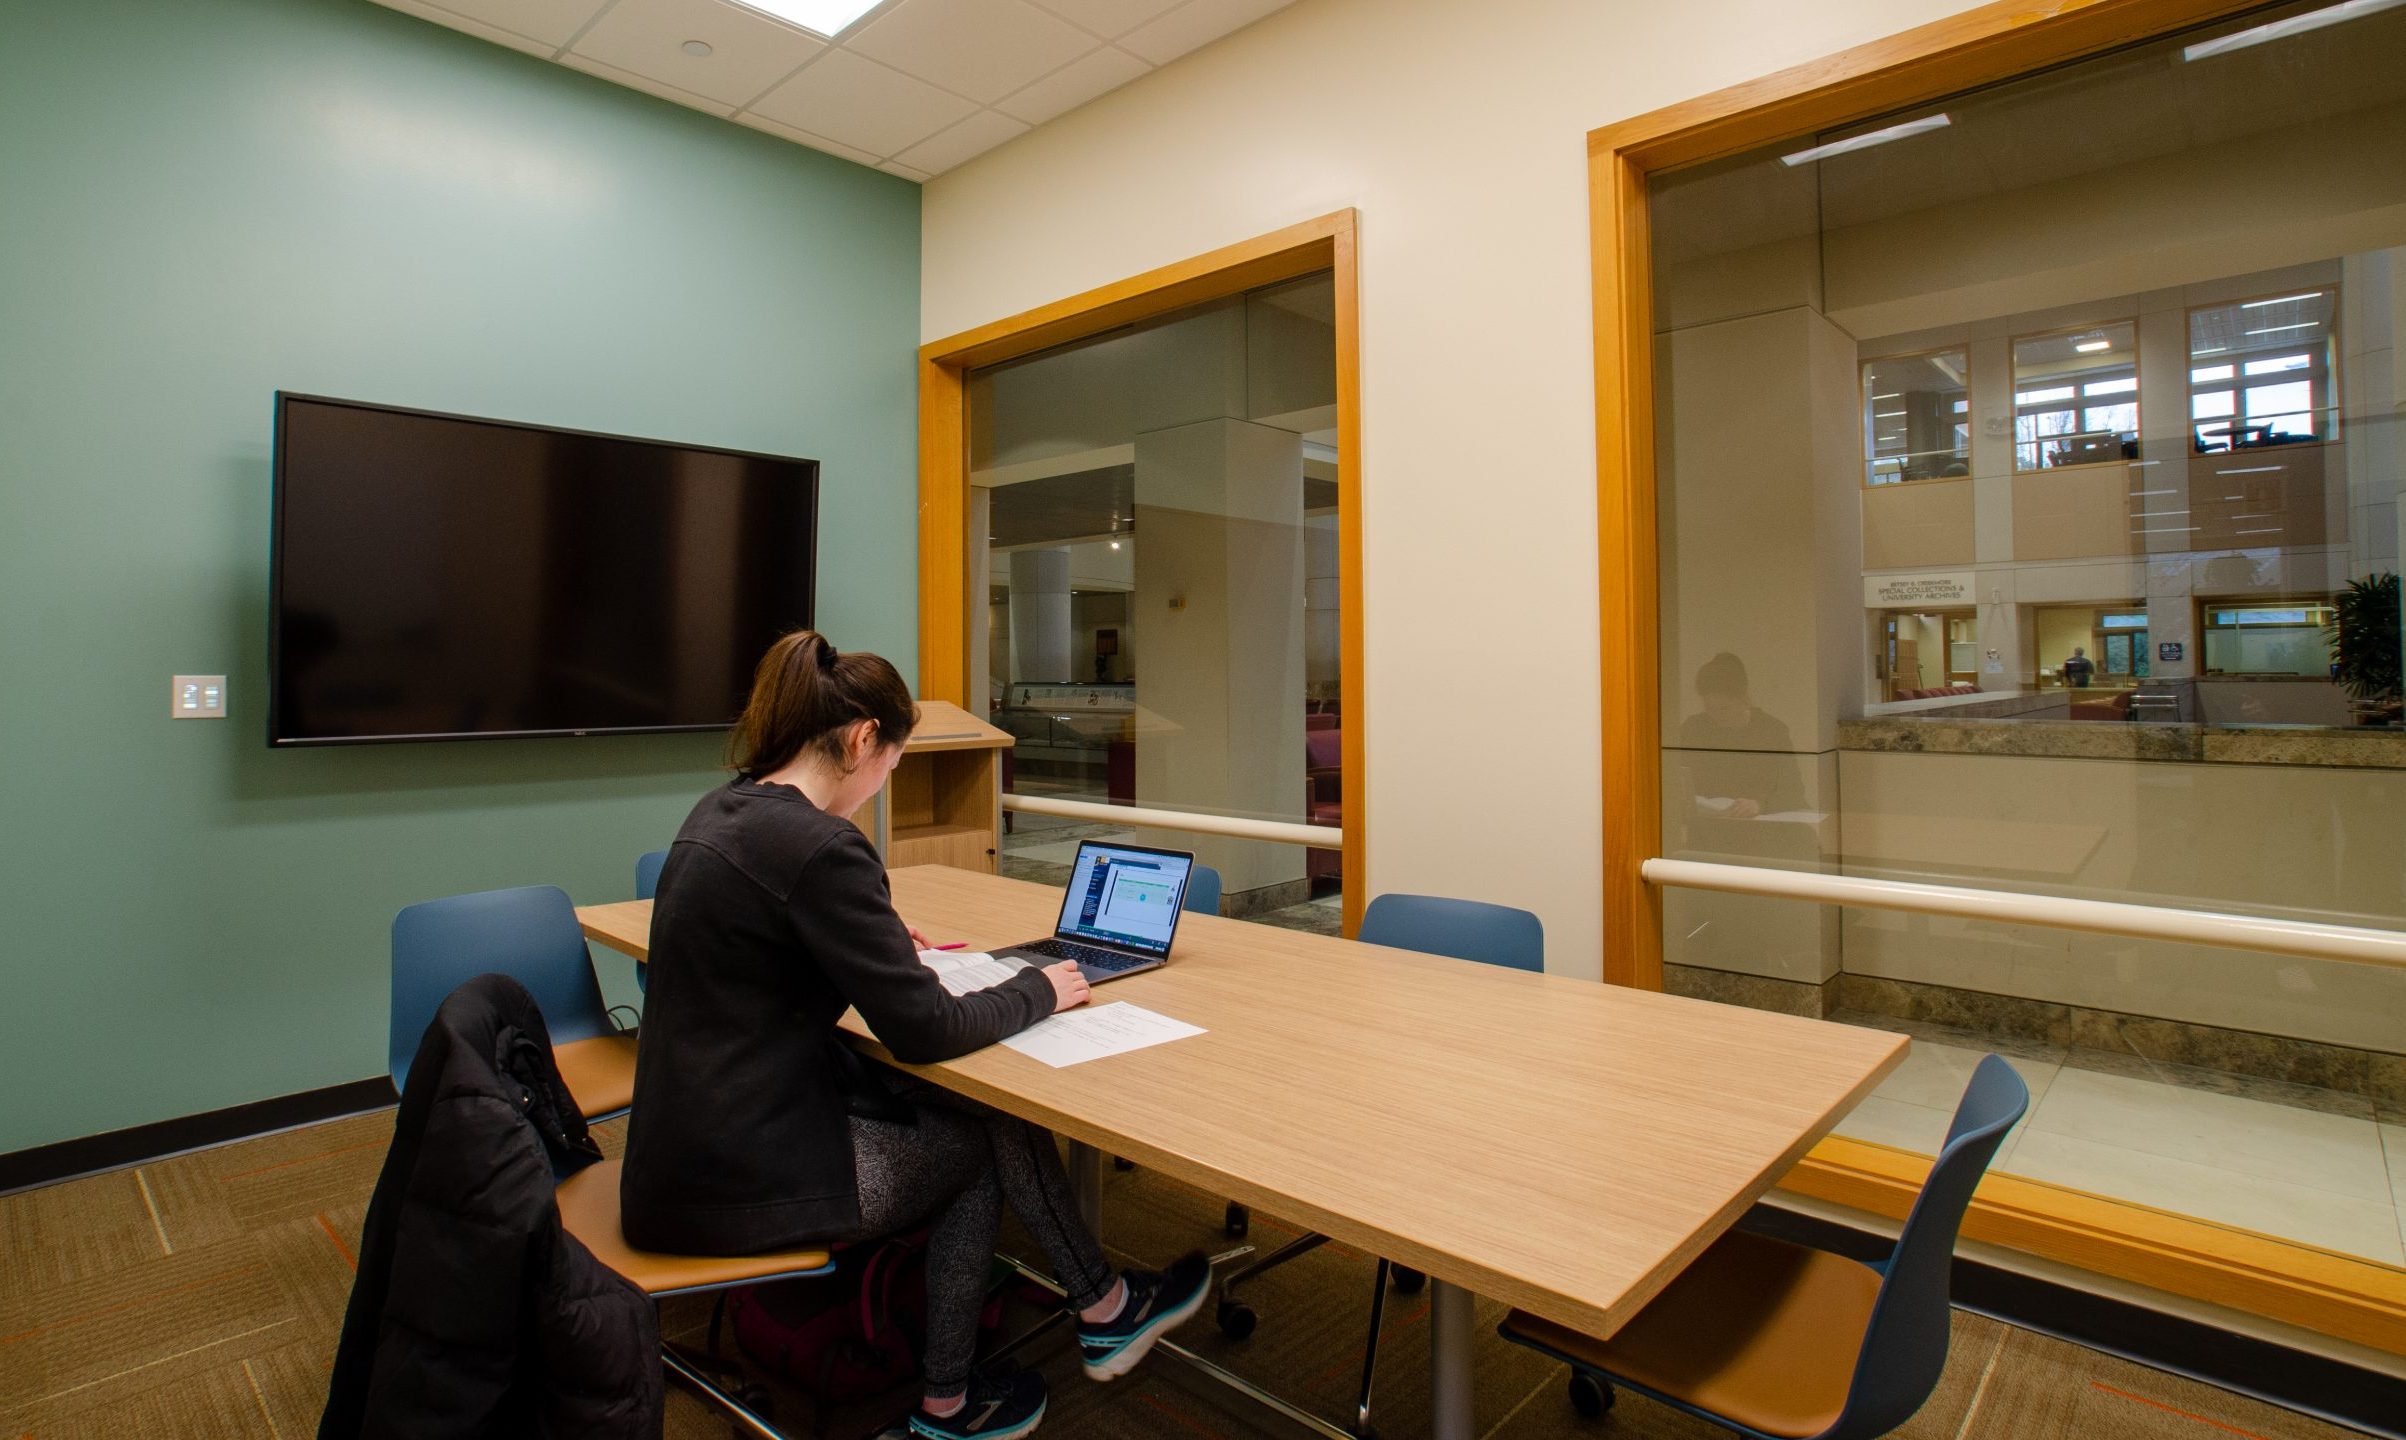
(1086, 955)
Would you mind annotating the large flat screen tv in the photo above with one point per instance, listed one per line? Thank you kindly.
(442, 577)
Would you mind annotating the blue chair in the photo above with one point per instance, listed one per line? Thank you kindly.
(1202, 891)
(647, 885)
(531, 935)
(1433, 925)
(1778, 1341)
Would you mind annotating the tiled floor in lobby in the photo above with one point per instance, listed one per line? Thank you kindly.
(2330, 1179)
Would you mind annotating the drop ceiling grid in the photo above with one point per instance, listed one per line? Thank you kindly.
(915, 87)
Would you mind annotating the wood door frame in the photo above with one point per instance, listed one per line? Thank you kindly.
(1326, 243)
(2354, 1300)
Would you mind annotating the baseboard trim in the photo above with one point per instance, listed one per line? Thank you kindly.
(141, 1144)
(2310, 1384)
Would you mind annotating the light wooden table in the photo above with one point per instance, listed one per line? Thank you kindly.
(1558, 1145)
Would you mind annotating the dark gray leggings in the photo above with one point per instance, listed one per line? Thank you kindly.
(957, 1164)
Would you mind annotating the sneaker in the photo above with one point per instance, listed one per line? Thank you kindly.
(997, 1408)
(1158, 1302)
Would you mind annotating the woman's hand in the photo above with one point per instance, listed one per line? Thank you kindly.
(1069, 985)
(917, 938)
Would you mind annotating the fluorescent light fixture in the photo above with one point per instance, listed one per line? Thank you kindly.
(1886, 414)
(2251, 470)
(2284, 300)
(1891, 395)
(1853, 143)
(2283, 29)
(2277, 329)
(820, 17)
(2091, 347)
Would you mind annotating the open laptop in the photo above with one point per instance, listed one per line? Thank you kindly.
(1120, 914)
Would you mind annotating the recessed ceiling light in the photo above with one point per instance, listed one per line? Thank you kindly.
(1922, 126)
(2283, 29)
(698, 49)
(820, 17)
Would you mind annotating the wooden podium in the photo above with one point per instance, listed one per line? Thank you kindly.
(943, 804)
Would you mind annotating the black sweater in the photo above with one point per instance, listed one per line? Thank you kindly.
(772, 916)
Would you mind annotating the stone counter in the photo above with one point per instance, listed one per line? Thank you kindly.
(2327, 746)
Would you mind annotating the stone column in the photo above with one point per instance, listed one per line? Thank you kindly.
(1218, 611)
(1040, 630)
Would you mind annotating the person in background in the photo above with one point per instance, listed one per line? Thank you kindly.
(756, 1128)
(2078, 670)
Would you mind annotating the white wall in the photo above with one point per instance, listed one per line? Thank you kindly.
(1459, 133)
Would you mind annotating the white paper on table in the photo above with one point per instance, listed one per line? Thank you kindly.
(964, 971)
(1076, 1036)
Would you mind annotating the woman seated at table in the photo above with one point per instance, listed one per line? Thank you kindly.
(756, 1128)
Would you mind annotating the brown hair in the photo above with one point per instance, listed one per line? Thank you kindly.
(803, 695)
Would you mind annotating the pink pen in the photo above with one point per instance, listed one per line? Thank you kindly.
(957, 945)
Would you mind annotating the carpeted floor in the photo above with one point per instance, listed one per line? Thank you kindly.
(201, 1295)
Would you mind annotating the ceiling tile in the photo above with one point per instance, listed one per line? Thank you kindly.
(905, 171)
(1073, 85)
(550, 22)
(984, 49)
(478, 28)
(1195, 24)
(748, 52)
(860, 103)
(803, 137)
(646, 84)
(974, 136)
(1107, 18)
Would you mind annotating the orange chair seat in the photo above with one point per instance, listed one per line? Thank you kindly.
(589, 1210)
(599, 1072)
(1760, 1331)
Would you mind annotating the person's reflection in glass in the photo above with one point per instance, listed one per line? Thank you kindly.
(1741, 762)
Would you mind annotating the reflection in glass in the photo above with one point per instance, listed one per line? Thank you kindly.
(2099, 663)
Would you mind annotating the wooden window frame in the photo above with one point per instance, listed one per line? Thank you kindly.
(2354, 1300)
(2322, 374)
(2078, 404)
(945, 611)
(1864, 393)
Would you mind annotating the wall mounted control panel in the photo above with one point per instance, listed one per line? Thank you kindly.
(198, 697)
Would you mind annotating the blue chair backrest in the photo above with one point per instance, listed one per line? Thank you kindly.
(1202, 891)
(529, 934)
(647, 874)
(1463, 929)
(1905, 1345)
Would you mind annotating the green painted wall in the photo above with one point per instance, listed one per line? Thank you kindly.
(204, 201)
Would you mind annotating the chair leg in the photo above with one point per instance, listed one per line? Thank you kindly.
(746, 1419)
(1297, 1246)
(1378, 1312)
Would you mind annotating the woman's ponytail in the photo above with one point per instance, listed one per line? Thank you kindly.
(805, 692)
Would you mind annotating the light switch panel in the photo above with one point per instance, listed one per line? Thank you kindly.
(198, 697)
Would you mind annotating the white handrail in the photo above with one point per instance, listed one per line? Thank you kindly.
(2311, 939)
(1319, 837)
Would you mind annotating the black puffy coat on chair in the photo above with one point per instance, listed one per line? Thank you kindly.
(474, 1314)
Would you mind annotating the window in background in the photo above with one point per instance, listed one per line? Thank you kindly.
(1917, 420)
(2076, 397)
(2287, 637)
(2260, 372)
(1159, 506)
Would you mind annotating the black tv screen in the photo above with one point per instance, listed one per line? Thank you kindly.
(442, 577)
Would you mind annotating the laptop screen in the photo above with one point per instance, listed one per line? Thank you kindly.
(1125, 895)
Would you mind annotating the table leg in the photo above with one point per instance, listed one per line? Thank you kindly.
(1449, 1361)
(1086, 1180)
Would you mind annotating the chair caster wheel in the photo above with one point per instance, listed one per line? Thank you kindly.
(1236, 1319)
(1366, 1432)
(1409, 1281)
(1237, 1221)
(1590, 1396)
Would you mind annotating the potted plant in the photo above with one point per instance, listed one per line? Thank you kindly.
(2365, 648)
